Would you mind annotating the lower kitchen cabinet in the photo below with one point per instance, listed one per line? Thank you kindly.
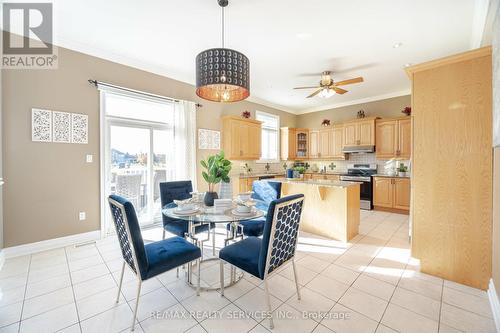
(246, 184)
(391, 193)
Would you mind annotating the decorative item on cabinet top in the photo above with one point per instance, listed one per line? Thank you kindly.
(325, 122)
(246, 114)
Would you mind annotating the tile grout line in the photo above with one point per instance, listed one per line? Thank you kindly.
(441, 306)
(24, 297)
(73, 292)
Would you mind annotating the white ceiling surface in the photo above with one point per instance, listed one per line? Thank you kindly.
(285, 40)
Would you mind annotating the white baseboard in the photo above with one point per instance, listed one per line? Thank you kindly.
(50, 244)
(495, 304)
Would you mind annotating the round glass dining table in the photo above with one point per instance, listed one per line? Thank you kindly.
(209, 215)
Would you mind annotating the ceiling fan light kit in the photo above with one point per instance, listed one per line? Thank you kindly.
(222, 74)
(327, 87)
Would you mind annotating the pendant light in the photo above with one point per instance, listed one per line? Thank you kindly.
(222, 75)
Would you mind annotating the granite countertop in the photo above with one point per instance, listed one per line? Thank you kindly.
(389, 176)
(325, 183)
(256, 175)
(326, 173)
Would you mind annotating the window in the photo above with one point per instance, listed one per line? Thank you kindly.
(270, 136)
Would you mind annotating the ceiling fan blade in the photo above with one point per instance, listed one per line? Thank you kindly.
(306, 87)
(350, 81)
(315, 93)
(339, 90)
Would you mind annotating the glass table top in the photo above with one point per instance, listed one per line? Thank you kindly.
(209, 214)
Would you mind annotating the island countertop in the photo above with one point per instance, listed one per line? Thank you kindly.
(317, 182)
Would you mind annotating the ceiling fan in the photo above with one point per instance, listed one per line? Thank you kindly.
(327, 87)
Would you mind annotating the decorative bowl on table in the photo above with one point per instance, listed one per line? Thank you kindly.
(245, 196)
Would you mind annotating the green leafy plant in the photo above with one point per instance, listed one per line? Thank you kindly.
(402, 168)
(216, 170)
(300, 169)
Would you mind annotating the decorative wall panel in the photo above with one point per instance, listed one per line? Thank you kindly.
(41, 125)
(61, 127)
(208, 139)
(79, 128)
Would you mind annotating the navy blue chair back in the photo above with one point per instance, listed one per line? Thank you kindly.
(170, 191)
(129, 234)
(279, 240)
(266, 191)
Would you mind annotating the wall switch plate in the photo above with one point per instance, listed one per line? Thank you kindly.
(82, 216)
(89, 158)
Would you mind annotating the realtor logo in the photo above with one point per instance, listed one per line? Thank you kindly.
(28, 36)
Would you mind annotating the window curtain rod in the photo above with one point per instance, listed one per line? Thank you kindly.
(104, 84)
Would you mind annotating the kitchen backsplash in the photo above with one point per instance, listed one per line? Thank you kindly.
(384, 167)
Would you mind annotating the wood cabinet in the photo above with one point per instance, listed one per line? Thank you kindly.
(314, 144)
(245, 184)
(393, 138)
(336, 143)
(241, 138)
(452, 167)
(391, 193)
(302, 143)
(324, 143)
(288, 143)
(360, 132)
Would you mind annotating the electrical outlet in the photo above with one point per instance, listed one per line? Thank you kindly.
(82, 216)
(89, 158)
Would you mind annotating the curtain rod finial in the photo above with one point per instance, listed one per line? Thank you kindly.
(93, 82)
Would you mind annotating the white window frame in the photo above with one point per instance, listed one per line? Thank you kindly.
(277, 160)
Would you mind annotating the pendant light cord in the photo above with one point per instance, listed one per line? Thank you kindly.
(222, 27)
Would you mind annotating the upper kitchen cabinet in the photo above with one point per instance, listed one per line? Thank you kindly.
(327, 143)
(393, 138)
(302, 143)
(336, 143)
(314, 144)
(241, 138)
(288, 143)
(360, 132)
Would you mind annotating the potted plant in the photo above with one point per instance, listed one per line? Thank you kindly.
(402, 170)
(216, 170)
(300, 170)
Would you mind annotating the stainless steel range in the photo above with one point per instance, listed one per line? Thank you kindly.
(362, 173)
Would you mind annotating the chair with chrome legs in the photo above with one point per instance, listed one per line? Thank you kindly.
(263, 193)
(149, 260)
(181, 190)
(261, 257)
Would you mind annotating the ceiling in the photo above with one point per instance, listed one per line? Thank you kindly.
(289, 42)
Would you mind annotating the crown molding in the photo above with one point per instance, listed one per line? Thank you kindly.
(264, 102)
(357, 101)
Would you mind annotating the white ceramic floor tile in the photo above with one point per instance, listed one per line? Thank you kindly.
(293, 321)
(281, 287)
(12, 328)
(238, 290)
(113, 320)
(196, 329)
(15, 266)
(340, 274)
(129, 289)
(72, 329)
(93, 286)
(354, 261)
(229, 320)
(205, 303)
(259, 329)
(327, 287)
(89, 273)
(344, 320)
(173, 319)
(374, 287)
(322, 329)
(10, 314)
(422, 287)
(47, 286)
(313, 263)
(52, 320)
(40, 274)
(447, 329)
(305, 275)
(11, 296)
(46, 302)
(465, 289)
(85, 263)
(13, 282)
(181, 290)
(418, 303)
(467, 301)
(97, 303)
(366, 304)
(464, 320)
(384, 329)
(157, 300)
(403, 320)
(311, 304)
(255, 301)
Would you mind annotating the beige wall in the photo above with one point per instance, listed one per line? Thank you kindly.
(47, 184)
(496, 144)
(387, 108)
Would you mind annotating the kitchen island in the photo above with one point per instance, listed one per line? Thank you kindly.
(331, 208)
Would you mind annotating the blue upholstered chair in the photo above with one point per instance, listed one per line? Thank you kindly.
(263, 192)
(180, 190)
(261, 257)
(149, 260)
